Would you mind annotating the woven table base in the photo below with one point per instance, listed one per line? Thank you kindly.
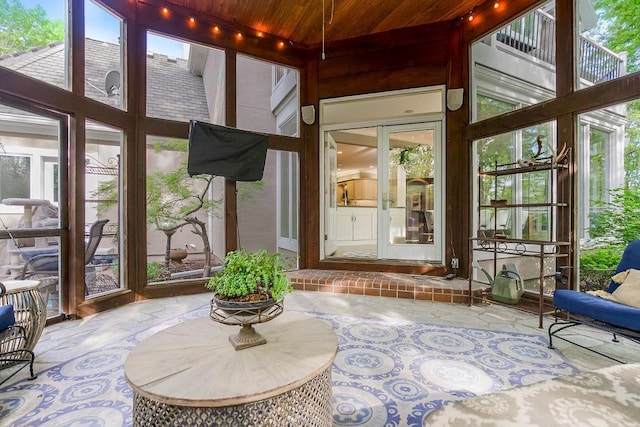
(307, 405)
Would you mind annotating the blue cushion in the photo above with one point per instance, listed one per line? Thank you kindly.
(630, 259)
(30, 254)
(7, 318)
(604, 310)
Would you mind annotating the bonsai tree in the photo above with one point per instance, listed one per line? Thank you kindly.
(175, 200)
(251, 276)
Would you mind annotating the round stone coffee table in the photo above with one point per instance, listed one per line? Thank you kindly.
(189, 374)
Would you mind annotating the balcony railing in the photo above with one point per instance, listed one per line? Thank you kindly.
(534, 34)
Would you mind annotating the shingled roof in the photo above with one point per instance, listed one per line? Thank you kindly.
(173, 92)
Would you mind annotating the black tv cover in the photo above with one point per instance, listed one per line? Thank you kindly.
(223, 151)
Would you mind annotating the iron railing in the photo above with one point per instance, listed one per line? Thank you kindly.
(534, 34)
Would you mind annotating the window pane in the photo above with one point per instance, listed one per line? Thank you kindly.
(604, 39)
(261, 205)
(597, 156)
(103, 56)
(489, 107)
(32, 39)
(515, 64)
(267, 97)
(284, 196)
(180, 215)
(103, 201)
(184, 81)
(508, 151)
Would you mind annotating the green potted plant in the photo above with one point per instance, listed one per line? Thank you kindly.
(249, 290)
(251, 277)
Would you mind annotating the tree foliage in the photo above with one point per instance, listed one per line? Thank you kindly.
(23, 28)
(619, 21)
(620, 218)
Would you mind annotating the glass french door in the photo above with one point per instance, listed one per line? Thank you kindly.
(409, 185)
(382, 192)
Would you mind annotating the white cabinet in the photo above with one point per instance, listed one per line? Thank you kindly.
(344, 224)
(356, 224)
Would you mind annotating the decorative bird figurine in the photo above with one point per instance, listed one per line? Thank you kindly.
(533, 159)
(539, 143)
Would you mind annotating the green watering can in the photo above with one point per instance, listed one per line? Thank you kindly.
(507, 286)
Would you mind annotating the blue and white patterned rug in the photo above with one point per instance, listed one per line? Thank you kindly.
(385, 374)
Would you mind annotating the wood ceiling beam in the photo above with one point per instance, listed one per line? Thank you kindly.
(604, 95)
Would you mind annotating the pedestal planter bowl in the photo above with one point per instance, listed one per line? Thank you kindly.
(245, 314)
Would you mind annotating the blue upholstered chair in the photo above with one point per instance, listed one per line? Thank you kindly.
(12, 342)
(575, 308)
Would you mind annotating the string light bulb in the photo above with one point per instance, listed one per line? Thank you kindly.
(260, 34)
(164, 11)
(496, 5)
(280, 44)
(191, 22)
(216, 29)
(239, 35)
(470, 18)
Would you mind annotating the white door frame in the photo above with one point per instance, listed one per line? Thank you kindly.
(434, 113)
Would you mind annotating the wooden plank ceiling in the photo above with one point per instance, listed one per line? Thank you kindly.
(300, 21)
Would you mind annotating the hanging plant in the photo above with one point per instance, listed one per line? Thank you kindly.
(405, 154)
(417, 160)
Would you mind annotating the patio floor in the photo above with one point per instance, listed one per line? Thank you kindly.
(67, 340)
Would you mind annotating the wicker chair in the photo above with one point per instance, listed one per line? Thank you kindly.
(13, 340)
